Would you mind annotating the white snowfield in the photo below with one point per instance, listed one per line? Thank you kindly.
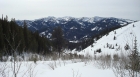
(73, 70)
(67, 68)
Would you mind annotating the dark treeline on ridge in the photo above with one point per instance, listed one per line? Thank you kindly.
(14, 37)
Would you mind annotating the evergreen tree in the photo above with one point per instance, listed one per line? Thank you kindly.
(134, 60)
(114, 37)
(126, 47)
(1, 37)
(133, 25)
(58, 39)
(1, 42)
(26, 37)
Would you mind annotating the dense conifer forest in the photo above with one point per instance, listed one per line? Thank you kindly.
(14, 37)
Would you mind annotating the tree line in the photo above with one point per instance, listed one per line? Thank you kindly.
(20, 38)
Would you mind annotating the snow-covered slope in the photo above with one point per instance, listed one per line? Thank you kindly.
(122, 36)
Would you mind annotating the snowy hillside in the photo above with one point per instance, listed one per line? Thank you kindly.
(116, 40)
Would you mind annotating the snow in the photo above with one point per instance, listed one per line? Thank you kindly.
(91, 20)
(81, 23)
(97, 18)
(68, 68)
(124, 35)
(49, 18)
(66, 18)
(49, 35)
(95, 28)
(76, 41)
(84, 19)
(73, 27)
(43, 33)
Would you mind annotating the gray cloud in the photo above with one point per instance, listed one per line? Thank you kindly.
(32, 9)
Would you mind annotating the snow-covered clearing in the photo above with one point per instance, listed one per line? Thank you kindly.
(69, 69)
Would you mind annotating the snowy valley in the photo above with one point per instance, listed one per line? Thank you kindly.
(109, 61)
(69, 38)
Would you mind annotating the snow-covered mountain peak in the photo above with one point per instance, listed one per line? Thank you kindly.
(65, 19)
(50, 18)
(97, 18)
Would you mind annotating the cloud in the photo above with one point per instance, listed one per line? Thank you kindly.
(33, 9)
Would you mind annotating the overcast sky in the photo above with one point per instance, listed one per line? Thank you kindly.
(34, 9)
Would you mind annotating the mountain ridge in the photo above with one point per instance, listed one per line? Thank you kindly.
(74, 28)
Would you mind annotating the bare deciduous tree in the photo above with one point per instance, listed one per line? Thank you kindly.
(14, 48)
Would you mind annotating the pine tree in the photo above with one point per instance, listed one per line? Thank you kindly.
(133, 25)
(1, 37)
(1, 42)
(134, 60)
(126, 47)
(26, 37)
(114, 38)
(58, 39)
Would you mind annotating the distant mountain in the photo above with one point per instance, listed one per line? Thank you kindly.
(74, 29)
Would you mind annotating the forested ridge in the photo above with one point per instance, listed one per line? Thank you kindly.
(14, 37)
